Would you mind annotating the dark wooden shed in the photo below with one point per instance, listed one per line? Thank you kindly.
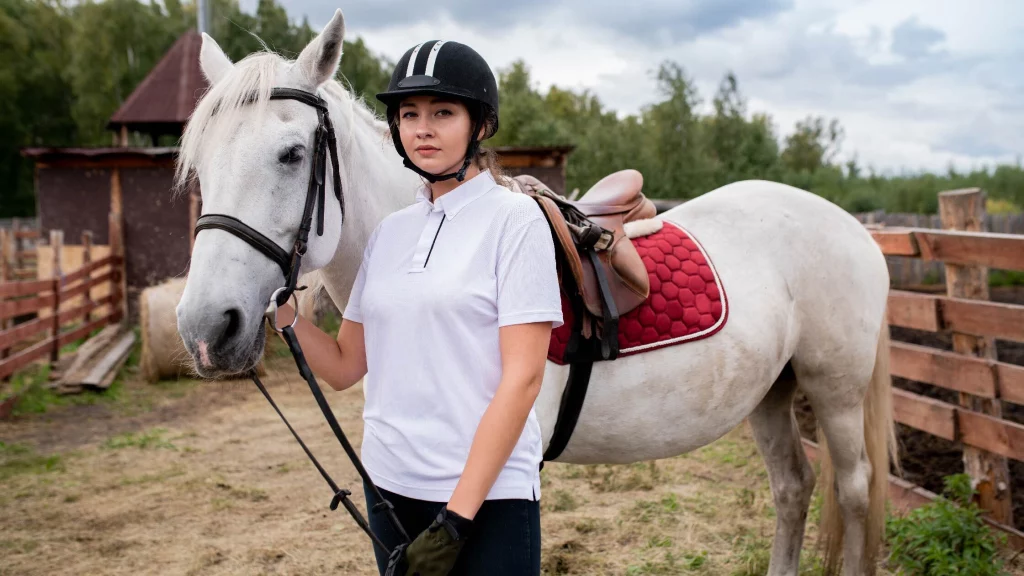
(546, 163)
(79, 189)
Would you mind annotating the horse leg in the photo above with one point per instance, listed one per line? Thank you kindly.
(789, 473)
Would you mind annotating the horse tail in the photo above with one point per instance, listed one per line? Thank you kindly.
(881, 446)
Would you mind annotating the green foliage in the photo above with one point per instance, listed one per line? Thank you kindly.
(946, 537)
(17, 459)
(70, 65)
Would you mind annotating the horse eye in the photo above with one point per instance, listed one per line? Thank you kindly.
(292, 155)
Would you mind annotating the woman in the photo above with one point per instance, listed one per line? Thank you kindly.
(449, 318)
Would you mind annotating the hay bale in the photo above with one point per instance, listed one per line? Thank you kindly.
(163, 354)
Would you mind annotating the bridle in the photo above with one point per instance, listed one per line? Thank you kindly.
(324, 142)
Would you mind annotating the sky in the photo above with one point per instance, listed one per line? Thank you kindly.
(918, 85)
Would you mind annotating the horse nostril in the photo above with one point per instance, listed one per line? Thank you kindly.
(234, 322)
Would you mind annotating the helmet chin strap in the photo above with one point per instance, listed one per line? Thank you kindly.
(471, 149)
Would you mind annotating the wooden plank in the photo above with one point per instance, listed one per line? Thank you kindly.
(31, 288)
(991, 249)
(25, 357)
(28, 234)
(14, 308)
(91, 267)
(1011, 382)
(83, 331)
(84, 287)
(895, 242)
(992, 434)
(993, 319)
(106, 368)
(912, 310)
(927, 414)
(940, 368)
(9, 338)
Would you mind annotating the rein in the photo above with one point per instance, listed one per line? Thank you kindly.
(290, 264)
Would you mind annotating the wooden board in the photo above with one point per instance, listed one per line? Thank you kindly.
(945, 369)
(1004, 321)
(13, 308)
(1011, 382)
(72, 258)
(24, 331)
(932, 416)
(30, 288)
(912, 310)
(992, 434)
(1002, 251)
(25, 357)
(895, 242)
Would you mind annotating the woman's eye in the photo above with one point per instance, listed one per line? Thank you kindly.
(291, 156)
(444, 112)
(409, 115)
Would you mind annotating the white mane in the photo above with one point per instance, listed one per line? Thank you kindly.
(248, 88)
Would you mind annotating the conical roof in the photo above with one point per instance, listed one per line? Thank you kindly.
(165, 98)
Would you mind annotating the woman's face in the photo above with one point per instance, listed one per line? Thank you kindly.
(435, 132)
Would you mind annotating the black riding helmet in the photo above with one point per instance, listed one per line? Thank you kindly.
(450, 69)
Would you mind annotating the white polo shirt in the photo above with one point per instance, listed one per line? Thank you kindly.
(436, 282)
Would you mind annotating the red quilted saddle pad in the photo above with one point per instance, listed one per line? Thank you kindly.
(686, 303)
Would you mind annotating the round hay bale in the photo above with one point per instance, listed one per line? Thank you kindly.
(163, 355)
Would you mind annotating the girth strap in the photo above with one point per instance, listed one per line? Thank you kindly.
(569, 409)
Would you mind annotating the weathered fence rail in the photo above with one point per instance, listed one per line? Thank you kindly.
(31, 299)
(965, 252)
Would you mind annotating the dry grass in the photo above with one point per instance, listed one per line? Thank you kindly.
(204, 479)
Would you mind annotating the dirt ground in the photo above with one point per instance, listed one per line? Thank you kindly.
(189, 478)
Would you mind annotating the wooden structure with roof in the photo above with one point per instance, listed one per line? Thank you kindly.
(162, 103)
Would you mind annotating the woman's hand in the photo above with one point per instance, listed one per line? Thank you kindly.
(339, 362)
(435, 550)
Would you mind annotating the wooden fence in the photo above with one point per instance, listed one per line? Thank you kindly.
(906, 271)
(19, 256)
(966, 252)
(65, 308)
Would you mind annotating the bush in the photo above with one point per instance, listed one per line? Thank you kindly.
(946, 537)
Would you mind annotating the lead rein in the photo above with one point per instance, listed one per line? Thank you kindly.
(340, 495)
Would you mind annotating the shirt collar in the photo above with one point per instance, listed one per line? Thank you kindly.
(460, 197)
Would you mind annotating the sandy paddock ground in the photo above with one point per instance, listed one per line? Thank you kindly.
(203, 478)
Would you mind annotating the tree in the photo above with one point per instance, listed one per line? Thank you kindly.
(812, 145)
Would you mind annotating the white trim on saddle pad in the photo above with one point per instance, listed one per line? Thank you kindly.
(718, 282)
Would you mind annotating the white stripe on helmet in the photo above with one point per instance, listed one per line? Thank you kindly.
(433, 57)
(412, 60)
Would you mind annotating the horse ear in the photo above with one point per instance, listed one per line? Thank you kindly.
(319, 60)
(214, 62)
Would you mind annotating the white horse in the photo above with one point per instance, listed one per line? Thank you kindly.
(806, 283)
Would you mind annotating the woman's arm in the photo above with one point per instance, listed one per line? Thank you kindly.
(523, 355)
(340, 363)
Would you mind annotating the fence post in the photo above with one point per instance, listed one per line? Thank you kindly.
(119, 283)
(86, 260)
(6, 245)
(57, 243)
(965, 210)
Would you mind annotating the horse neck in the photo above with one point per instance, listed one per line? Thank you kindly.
(375, 184)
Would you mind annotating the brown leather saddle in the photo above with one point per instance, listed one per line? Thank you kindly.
(599, 268)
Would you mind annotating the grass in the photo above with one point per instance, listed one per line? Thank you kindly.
(16, 459)
(143, 441)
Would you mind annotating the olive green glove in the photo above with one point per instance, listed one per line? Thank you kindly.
(434, 551)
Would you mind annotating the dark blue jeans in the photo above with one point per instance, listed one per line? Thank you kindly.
(505, 541)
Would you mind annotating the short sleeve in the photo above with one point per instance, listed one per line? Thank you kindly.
(353, 309)
(528, 288)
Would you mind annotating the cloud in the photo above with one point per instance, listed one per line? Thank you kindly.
(912, 40)
(917, 85)
(654, 21)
